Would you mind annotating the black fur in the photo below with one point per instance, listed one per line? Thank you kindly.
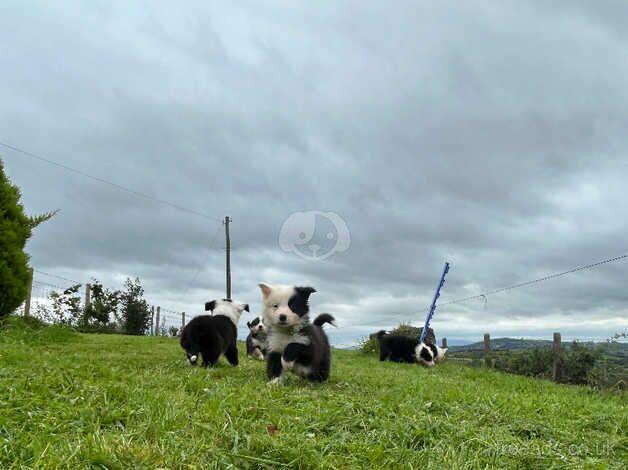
(210, 336)
(324, 318)
(298, 303)
(311, 361)
(425, 354)
(397, 348)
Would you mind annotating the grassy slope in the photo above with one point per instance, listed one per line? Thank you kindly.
(69, 400)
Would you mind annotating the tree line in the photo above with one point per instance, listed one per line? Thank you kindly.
(116, 311)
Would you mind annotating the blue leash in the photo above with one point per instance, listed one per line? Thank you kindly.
(430, 314)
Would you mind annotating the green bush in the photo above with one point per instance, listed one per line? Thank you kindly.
(577, 364)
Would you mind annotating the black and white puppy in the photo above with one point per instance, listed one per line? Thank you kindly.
(293, 342)
(399, 348)
(256, 340)
(215, 334)
(428, 354)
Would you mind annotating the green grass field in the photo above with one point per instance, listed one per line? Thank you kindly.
(71, 400)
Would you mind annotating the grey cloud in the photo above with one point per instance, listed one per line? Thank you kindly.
(490, 135)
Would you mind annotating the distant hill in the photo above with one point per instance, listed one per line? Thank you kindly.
(617, 352)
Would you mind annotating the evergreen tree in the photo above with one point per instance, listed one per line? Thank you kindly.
(15, 229)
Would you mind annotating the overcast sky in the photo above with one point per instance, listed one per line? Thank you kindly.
(489, 134)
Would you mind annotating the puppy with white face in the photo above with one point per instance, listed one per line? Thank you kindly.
(209, 336)
(428, 354)
(293, 342)
(256, 340)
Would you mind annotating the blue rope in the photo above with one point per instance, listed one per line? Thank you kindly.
(430, 314)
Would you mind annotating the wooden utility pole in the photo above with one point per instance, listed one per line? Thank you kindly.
(228, 253)
(157, 332)
(556, 347)
(182, 320)
(152, 321)
(29, 292)
(88, 296)
(444, 343)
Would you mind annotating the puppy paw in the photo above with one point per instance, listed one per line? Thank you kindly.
(257, 354)
(276, 381)
(286, 365)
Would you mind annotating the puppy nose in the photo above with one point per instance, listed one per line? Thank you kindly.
(282, 317)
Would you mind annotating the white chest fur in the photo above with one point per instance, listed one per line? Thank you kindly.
(278, 340)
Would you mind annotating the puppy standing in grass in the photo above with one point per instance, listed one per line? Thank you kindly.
(213, 335)
(256, 340)
(293, 342)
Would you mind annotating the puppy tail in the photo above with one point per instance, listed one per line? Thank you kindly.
(325, 318)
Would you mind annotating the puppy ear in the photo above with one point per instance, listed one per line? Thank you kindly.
(305, 291)
(265, 289)
(210, 306)
(246, 307)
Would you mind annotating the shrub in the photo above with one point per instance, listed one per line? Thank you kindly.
(102, 310)
(135, 310)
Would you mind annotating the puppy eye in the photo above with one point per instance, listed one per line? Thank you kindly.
(275, 306)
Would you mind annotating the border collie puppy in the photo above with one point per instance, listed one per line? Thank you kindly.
(429, 354)
(256, 340)
(215, 334)
(399, 348)
(293, 342)
(396, 348)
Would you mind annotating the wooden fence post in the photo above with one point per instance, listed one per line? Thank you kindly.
(556, 348)
(444, 343)
(152, 320)
(182, 321)
(157, 321)
(88, 296)
(29, 293)
(487, 348)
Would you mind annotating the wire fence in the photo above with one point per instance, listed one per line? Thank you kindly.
(62, 300)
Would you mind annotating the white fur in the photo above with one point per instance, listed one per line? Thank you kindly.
(193, 358)
(276, 300)
(279, 339)
(231, 310)
(276, 381)
(301, 370)
(440, 354)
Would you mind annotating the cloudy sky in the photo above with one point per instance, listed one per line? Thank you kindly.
(489, 134)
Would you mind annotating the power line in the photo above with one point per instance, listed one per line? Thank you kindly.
(47, 284)
(503, 289)
(535, 281)
(56, 276)
(110, 183)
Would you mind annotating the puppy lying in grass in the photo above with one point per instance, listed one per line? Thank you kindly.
(293, 342)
